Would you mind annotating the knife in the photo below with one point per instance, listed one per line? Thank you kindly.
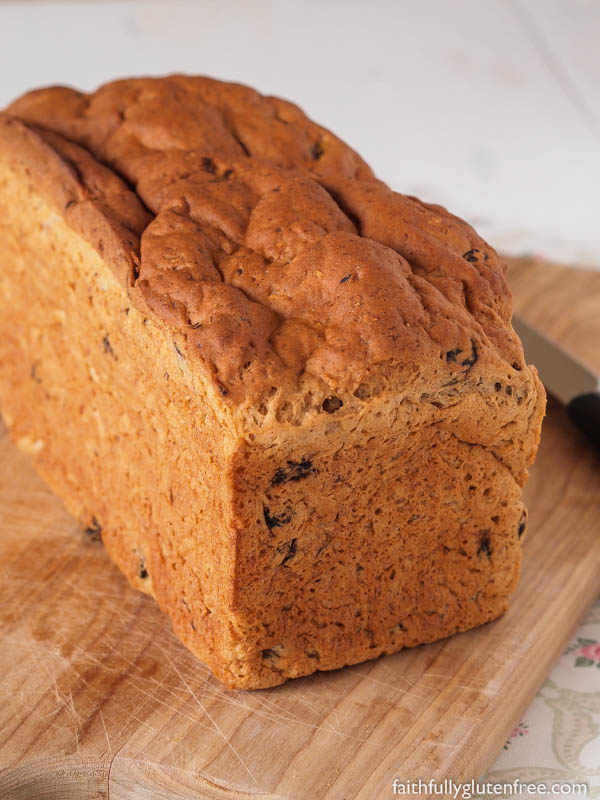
(571, 382)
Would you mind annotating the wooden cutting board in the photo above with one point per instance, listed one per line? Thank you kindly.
(97, 695)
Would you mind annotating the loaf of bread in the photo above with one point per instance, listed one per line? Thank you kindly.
(289, 399)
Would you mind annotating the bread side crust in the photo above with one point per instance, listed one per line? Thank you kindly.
(119, 424)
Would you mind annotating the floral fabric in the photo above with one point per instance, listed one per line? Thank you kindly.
(558, 739)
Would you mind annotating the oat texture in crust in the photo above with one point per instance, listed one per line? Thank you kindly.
(289, 399)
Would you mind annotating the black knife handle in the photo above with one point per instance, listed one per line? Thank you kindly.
(584, 411)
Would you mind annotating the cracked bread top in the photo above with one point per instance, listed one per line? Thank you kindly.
(265, 241)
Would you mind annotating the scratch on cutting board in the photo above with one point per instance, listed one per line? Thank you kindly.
(216, 726)
(255, 703)
(51, 662)
(279, 714)
(110, 752)
(331, 705)
(411, 684)
(186, 690)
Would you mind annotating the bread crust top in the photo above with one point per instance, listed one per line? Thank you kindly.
(264, 240)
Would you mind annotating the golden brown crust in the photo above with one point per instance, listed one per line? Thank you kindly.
(262, 238)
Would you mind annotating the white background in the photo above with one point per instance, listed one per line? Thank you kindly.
(490, 107)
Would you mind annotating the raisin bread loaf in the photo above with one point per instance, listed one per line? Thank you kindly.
(288, 398)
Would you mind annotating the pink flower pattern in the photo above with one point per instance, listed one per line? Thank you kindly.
(586, 652)
(591, 651)
(520, 730)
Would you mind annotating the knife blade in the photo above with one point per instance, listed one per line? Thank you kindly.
(572, 382)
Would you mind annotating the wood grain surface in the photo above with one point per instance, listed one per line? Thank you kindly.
(97, 695)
